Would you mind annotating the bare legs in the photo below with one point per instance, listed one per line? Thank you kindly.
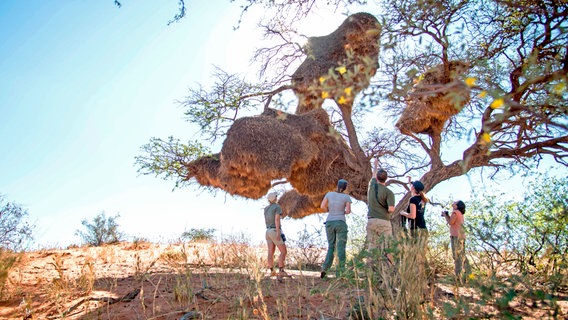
(281, 258)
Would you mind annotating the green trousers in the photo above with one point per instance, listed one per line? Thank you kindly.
(336, 232)
(461, 264)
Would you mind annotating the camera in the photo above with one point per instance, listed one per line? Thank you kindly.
(445, 213)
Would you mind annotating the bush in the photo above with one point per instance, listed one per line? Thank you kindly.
(101, 230)
(199, 235)
(308, 251)
(15, 230)
(529, 235)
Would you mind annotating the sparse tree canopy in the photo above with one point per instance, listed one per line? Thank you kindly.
(177, 17)
(15, 229)
(450, 86)
(101, 230)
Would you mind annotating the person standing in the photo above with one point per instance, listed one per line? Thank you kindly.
(380, 203)
(337, 204)
(416, 209)
(457, 240)
(272, 218)
(417, 225)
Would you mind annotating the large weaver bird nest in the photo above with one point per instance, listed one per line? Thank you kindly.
(434, 99)
(304, 149)
(346, 58)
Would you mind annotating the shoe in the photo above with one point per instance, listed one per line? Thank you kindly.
(283, 274)
(322, 274)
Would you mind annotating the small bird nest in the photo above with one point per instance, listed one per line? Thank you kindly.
(434, 99)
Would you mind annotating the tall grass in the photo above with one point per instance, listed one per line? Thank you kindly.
(8, 260)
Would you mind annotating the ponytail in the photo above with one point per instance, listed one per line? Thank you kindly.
(423, 196)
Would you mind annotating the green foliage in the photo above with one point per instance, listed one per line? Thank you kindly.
(529, 234)
(101, 230)
(357, 231)
(215, 109)
(169, 159)
(15, 229)
(199, 235)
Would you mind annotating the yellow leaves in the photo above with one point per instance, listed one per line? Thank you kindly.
(341, 100)
(322, 79)
(471, 276)
(324, 94)
(482, 94)
(342, 70)
(559, 88)
(348, 90)
(470, 81)
(485, 138)
(497, 103)
(420, 78)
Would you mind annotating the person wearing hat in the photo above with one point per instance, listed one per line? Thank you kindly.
(337, 204)
(272, 217)
(415, 215)
(457, 240)
(415, 210)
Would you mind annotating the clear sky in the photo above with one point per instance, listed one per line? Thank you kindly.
(84, 84)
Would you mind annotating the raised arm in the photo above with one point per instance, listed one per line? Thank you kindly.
(375, 167)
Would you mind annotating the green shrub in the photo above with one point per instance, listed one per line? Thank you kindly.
(101, 230)
(199, 235)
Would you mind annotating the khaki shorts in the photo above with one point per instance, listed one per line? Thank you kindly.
(378, 230)
(273, 237)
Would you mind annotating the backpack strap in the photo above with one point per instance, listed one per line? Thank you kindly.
(377, 196)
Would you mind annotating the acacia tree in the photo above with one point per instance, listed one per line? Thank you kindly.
(498, 67)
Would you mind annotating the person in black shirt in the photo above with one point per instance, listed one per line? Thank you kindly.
(418, 230)
(416, 209)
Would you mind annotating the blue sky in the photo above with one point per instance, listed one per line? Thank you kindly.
(84, 84)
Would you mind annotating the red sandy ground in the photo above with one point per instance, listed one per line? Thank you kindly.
(89, 282)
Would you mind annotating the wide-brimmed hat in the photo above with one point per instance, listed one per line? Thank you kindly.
(272, 196)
